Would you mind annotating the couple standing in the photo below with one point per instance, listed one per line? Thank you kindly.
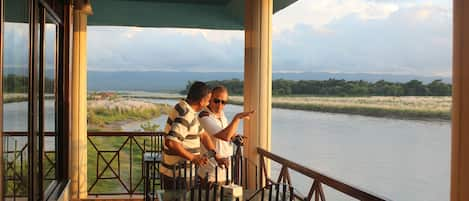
(197, 128)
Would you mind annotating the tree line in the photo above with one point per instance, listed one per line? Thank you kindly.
(19, 84)
(340, 87)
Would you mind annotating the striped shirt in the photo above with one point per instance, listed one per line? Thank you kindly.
(182, 127)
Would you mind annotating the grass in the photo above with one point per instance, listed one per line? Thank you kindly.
(106, 114)
(155, 95)
(112, 144)
(403, 107)
(14, 97)
(102, 114)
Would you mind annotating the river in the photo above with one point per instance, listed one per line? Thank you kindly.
(404, 160)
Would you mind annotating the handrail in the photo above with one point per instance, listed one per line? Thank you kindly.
(318, 178)
(24, 133)
(91, 133)
(131, 188)
(108, 164)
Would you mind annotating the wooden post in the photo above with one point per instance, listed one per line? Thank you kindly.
(460, 112)
(78, 144)
(258, 80)
(1, 99)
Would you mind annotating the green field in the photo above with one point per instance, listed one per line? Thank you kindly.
(123, 154)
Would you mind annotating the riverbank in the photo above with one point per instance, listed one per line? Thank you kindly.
(14, 97)
(408, 107)
(111, 114)
(405, 107)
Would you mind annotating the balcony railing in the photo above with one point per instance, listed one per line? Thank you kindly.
(115, 167)
(15, 156)
(115, 161)
(318, 179)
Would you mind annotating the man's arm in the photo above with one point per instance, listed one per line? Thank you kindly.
(207, 141)
(179, 149)
(177, 133)
(227, 133)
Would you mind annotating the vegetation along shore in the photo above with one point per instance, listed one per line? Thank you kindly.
(399, 107)
(402, 100)
(404, 107)
(107, 111)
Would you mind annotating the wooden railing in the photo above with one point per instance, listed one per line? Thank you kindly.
(319, 180)
(15, 156)
(117, 168)
(114, 166)
(116, 162)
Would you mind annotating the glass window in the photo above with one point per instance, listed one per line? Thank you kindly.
(50, 97)
(15, 97)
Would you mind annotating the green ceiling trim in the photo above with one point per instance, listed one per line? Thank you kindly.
(205, 14)
(162, 14)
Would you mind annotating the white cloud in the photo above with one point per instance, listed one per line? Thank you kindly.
(402, 43)
(399, 37)
(213, 36)
(164, 49)
(319, 13)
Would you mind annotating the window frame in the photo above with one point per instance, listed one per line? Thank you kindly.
(37, 11)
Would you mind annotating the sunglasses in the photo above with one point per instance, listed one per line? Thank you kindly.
(216, 100)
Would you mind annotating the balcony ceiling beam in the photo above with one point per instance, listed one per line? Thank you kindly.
(205, 14)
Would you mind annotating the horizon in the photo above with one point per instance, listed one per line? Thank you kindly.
(277, 72)
(163, 81)
(7, 69)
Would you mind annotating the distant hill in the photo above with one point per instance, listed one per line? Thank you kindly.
(175, 81)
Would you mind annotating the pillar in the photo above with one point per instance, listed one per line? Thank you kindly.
(460, 109)
(258, 80)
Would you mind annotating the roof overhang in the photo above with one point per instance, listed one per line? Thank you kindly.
(205, 14)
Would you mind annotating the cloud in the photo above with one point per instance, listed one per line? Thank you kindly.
(165, 49)
(16, 45)
(399, 37)
(403, 43)
(319, 35)
(319, 13)
(213, 36)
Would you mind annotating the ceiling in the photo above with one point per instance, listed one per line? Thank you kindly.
(205, 14)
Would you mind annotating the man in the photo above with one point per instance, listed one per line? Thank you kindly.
(213, 121)
(184, 135)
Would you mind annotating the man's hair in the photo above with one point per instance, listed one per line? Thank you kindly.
(219, 88)
(197, 91)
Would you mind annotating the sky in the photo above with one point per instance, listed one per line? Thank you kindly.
(339, 36)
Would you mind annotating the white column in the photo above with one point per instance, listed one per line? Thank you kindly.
(258, 80)
(460, 112)
(78, 141)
